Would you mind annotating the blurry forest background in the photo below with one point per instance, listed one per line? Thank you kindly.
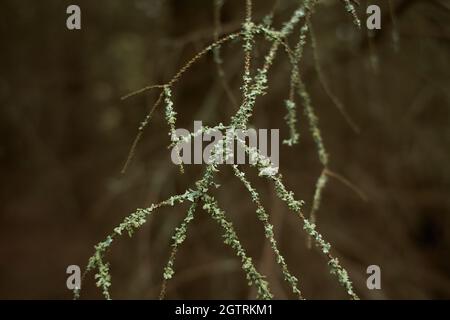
(65, 135)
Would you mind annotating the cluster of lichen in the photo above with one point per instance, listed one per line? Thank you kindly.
(253, 86)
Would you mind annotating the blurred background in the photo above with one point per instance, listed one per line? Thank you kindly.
(65, 135)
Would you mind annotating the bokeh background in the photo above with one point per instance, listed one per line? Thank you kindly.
(65, 135)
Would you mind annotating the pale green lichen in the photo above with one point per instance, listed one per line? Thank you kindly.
(171, 121)
(320, 185)
(253, 86)
(103, 277)
(268, 232)
(240, 119)
(129, 224)
(313, 124)
(291, 119)
(351, 10)
(310, 228)
(342, 275)
(178, 239)
(230, 238)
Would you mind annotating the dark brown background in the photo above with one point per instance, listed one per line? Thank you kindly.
(65, 135)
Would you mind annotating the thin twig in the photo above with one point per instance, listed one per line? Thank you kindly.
(349, 184)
